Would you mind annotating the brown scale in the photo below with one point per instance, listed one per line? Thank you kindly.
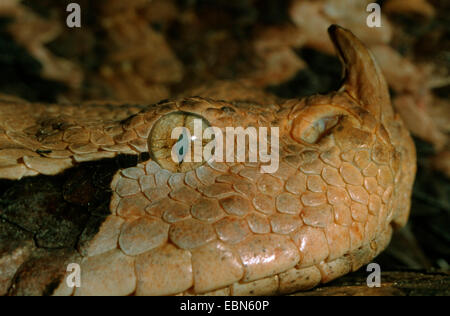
(343, 184)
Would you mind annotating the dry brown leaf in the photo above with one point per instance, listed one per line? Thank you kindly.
(413, 110)
(441, 162)
(140, 64)
(314, 18)
(439, 110)
(419, 7)
(279, 63)
(33, 33)
(401, 74)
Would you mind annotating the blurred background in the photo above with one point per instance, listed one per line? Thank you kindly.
(143, 51)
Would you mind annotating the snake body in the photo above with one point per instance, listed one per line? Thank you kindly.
(344, 181)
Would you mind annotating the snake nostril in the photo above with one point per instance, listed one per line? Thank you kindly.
(319, 128)
(315, 122)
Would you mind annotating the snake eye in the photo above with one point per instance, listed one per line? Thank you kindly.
(176, 141)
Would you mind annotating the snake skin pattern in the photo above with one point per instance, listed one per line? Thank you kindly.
(226, 228)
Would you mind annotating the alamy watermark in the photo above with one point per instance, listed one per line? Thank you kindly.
(74, 278)
(221, 148)
(374, 278)
(374, 18)
(74, 17)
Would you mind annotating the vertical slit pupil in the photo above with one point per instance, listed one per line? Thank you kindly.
(181, 150)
